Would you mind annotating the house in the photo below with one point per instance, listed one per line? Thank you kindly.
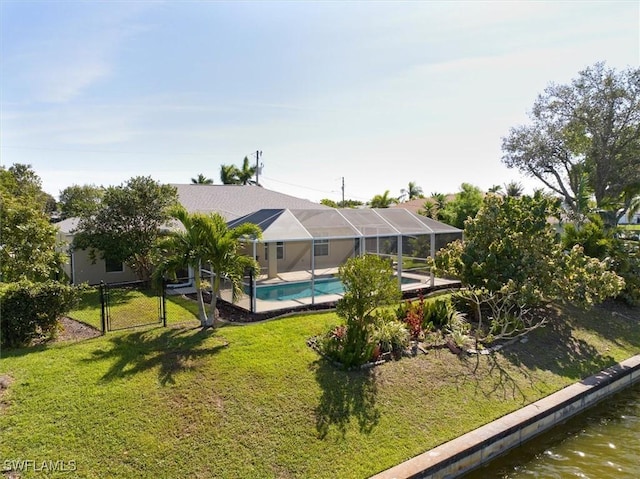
(81, 267)
(303, 244)
(231, 201)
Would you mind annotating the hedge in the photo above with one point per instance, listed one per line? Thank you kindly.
(31, 310)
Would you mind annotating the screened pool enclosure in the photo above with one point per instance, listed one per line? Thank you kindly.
(301, 250)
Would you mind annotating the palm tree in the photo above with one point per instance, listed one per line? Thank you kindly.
(440, 200)
(201, 180)
(223, 257)
(495, 189)
(206, 239)
(229, 175)
(412, 192)
(429, 210)
(382, 201)
(514, 189)
(246, 173)
(181, 249)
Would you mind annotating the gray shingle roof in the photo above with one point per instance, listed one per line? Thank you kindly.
(234, 201)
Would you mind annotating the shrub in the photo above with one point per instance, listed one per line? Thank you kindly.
(30, 310)
(438, 313)
(391, 336)
(411, 313)
(369, 284)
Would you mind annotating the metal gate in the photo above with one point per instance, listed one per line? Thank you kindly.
(132, 304)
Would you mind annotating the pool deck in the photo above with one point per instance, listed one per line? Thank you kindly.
(423, 283)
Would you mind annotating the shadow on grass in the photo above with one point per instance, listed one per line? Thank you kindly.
(555, 348)
(345, 395)
(172, 351)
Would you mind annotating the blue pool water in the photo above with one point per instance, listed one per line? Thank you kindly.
(302, 289)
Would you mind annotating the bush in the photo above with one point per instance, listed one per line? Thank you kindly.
(30, 310)
(422, 316)
(391, 336)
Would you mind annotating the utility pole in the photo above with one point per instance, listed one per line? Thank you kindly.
(343, 191)
(258, 155)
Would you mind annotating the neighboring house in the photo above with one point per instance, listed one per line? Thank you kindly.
(81, 268)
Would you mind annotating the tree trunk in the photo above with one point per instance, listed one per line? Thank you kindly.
(202, 312)
(215, 289)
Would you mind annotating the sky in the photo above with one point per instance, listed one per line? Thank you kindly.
(375, 94)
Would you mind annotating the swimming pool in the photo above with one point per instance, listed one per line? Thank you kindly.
(302, 289)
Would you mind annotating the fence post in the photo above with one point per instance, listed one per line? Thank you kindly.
(103, 312)
(163, 300)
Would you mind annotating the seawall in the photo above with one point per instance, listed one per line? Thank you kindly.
(470, 451)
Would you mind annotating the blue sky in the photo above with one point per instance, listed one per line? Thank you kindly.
(380, 93)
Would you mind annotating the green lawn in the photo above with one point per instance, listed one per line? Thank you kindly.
(255, 401)
(132, 307)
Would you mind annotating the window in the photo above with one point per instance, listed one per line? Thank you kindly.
(113, 266)
(279, 250)
(321, 247)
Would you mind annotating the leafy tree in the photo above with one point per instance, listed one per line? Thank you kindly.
(340, 204)
(79, 200)
(126, 225)
(412, 192)
(201, 180)
(27, 239)
(602, 243)
(465, 205)
(328, 202)
(511, 248)
(21, 181)
(592, 127)
(369, 283)
(382, 201)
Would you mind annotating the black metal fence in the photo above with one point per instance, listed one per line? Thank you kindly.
(132, 304)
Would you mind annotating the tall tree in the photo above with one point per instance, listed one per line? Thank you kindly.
(27, 239)
(510, 248)
(79, 200)
(224, 259)
(513, 188)
(201, 180)
(465, 205)
(186, 248)
(229, 175)
(382, 201)
(412, 191)
(246, 173)
(590, 126)
(127, 223)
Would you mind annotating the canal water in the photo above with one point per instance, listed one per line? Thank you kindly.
(601, 443)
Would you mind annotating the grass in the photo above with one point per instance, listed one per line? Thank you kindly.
(255, 401)
(131, 307)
